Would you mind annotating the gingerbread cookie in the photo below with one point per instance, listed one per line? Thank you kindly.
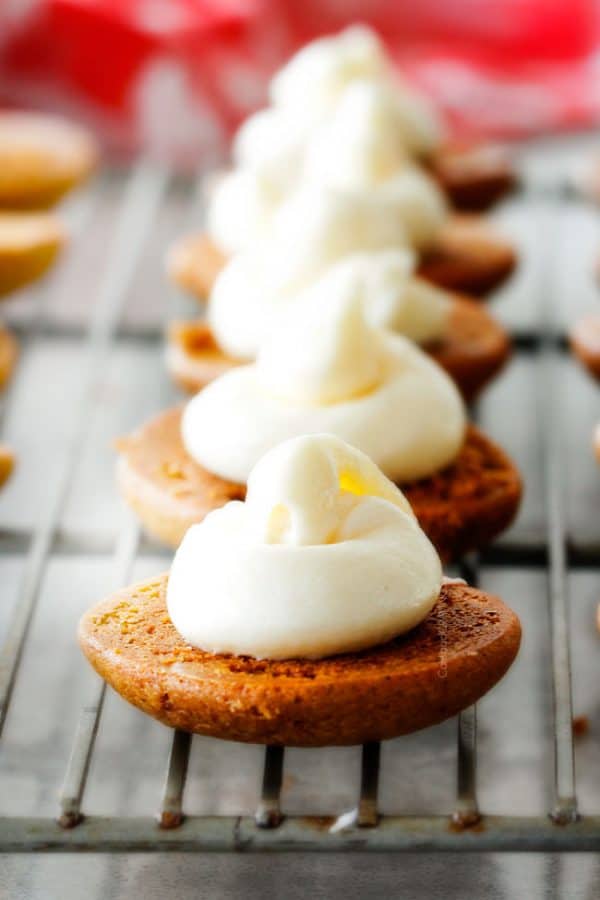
(469, 256)
(445, 664)
(473, 350)
(461, 508)
(41, 158)
(7, 463)
(474, 177)
(29, 245)
(9, 352)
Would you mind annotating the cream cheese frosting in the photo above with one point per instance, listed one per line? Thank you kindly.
(311, 84)
(243, 303)
(338, 120)
(241, 208)
(324, 368)
(324, 557)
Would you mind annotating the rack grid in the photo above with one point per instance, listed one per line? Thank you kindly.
(465, 826)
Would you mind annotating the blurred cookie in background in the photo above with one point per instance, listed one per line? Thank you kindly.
(29, 244)
(41, 158)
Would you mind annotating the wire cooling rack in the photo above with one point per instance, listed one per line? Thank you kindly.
(93, 333)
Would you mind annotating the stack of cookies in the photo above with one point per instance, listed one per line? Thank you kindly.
(325, 468)
(41, 159)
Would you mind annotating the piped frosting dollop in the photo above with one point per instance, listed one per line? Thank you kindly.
(324, 368)
(324, 557)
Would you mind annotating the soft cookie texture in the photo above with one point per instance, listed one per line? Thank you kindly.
(193, 356)
(9, 352)
(193, 263)
(7, 463)
(461, 508)
(29, 245)
(41, 158)
(473, 177)
(468, 256)
(473, 350)
(449, 661)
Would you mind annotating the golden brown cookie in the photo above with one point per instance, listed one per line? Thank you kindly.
(9, 351)
(193, 356)
(584, 339)
(474, 177)
(29, 244)
(41, 158)
(7, 463)
(163, 484)
(469, 257)
(469, 503)
(462, 508)
(193, 263)
(473, 350)
(449, 661)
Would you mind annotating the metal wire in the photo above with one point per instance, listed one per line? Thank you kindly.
(564, 810)
(369, 785)
(171, 810)
(140, 204)
(81, 752)
(268, 814)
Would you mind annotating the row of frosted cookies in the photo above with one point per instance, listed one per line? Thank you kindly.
(41, 159)
(340, 172)
(325, 468)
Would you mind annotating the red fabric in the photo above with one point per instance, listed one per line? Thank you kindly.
(177, 75)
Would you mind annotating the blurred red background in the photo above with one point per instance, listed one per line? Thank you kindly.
(176, 76)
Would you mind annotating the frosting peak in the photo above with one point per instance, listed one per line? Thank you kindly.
(314, 228)
(324, 557)
(323, 352)
(318, 226)
(313, 79)
(313, 85)
(339, 118)
(375, 390)
(363, 142)
(303, 490)
(245, 301)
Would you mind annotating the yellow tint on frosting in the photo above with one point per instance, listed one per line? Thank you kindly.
(305, 567)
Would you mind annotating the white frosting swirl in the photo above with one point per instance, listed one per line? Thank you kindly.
(272, 144)
(324, 369)
(243, 304)
(312, 84)
(324, 557)
(363, 142)
(241, 208)
(340, 121)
